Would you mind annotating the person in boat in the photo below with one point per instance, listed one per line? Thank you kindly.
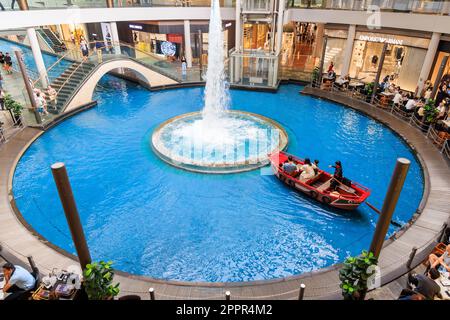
(315, 166)
(289, 166)
(307, 170)
(337, 176)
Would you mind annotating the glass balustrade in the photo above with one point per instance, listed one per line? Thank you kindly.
(415, 6)
(405, 6)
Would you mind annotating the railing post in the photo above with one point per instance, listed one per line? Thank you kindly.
(390, 202)
(301, 293)
(151, 291)
(411, 257)
(443, 146)
(70, 209)
(444, 227)
(227, 295)
(26, 80)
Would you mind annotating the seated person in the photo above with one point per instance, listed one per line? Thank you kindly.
(307, 170)
(426, 284)
(17, 281)
(441, 109)
(441, 263)
(315, 166)
(410, 105)
(397, 98)
(410, 295)
(290, 167)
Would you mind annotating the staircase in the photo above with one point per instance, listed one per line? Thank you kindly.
(67, 83)
(52, 40)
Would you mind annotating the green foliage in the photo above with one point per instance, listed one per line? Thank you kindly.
(13, 105)
(98, 277)
(430, 111)
(354, 275)
(369, 88)
(315, 74)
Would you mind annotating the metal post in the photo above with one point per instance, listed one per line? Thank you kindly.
(444, 227)
(227, 295)
(26, 80)
(380, 68)
(390, 202)
(302, 291)
(322, 60)
(411, 257)
(151, 291)
(70, 209)
(439, 77)
(200, 52)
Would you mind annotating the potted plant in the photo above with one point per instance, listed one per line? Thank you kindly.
(315, 77)
(97, 283)
(354, 275)
(15, 109)
(430, 112)
(369, 90)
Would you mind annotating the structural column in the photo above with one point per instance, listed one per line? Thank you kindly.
(187, 43)
(319, 39)
(280, 23)
(23, 4)
(37, 54)
(115, 37)
(428, 62)
(238, 26)
(348, 51)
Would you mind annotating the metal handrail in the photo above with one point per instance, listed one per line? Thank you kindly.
(433, 135)
(446, 148)
(53, 65)
(74, 70)
(418, 123)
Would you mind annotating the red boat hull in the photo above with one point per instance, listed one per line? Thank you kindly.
(318, 188)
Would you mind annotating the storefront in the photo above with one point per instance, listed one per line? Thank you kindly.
(403, 60)
(166, 39)
(443, 50)
(73, 31)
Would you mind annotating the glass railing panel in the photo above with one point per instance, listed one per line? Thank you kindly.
(57, 4)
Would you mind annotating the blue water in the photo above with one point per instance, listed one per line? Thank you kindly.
(153, 219)
(49, 60)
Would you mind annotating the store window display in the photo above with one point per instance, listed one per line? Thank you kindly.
(401, 63)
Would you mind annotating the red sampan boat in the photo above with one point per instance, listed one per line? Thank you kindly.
(344, 197)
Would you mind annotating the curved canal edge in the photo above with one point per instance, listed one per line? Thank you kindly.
(422, 232)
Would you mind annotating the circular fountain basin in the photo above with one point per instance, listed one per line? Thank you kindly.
(236, 141)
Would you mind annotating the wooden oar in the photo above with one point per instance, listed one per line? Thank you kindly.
(394, 223)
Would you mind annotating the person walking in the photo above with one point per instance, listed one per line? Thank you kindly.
(183, 66)
(8, 63)
(2, 99)
(84, 48)
(98, 46)
(2, 7)
(13, 2)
